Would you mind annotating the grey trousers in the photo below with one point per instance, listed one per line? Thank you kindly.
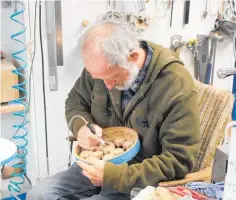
(71, 185)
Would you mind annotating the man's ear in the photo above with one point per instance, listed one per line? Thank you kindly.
(133, 57)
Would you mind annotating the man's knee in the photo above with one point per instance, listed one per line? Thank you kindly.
(35, 194)
(40, 192)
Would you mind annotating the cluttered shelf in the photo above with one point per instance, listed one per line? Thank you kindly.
(8, 108)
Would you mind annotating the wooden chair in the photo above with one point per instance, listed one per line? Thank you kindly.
(215, 112)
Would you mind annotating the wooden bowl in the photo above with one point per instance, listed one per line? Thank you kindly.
(110, 134)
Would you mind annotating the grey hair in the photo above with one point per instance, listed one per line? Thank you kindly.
(117, 44)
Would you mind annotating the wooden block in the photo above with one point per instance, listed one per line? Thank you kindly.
(85, 22)
(8, 108)
(8, 79)
(7, 171)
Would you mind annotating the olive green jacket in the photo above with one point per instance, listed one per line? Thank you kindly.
(164, 112)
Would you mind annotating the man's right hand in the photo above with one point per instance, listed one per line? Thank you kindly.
(87, 140)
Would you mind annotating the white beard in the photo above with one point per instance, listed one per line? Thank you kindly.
(133, 73)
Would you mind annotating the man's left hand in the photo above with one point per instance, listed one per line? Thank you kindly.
(94, 170)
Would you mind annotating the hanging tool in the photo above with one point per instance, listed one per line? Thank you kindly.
(228, 28)
(225, 26)
(232, 7)
(59, 36)
(225, 72)
(52, 45)
(163, 5)
(85, 22)
(112, 15)
(140, 5)
(171, 12)
(140, 23)
(186, 12)
(211, 61)
(229, 10)
(111, 5)
(193, 46)
(169, 2)
(203, 53)
(204, 14)
(176, 41)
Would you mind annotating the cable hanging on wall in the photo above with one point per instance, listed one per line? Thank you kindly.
(20, 136)
(164, 8)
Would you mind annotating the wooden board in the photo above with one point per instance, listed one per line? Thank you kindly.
(8, 79)
(8, 108)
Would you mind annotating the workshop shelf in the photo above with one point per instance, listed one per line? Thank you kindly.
(9, 108)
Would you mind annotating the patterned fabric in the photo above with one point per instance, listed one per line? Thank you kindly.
(215, 113)
(128, 94)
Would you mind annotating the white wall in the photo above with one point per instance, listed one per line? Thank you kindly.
(160, 32)
(73, 14)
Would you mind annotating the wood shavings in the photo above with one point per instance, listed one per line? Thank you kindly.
(85, 154)
(118, 151)
(97, 154)
(127, 144)
(117, 140)
(107, 157)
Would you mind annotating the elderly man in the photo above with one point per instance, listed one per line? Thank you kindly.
(136, 84)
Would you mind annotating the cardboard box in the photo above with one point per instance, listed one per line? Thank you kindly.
(8, 79)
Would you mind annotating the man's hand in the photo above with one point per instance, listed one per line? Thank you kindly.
(94, 170)
(87, 140)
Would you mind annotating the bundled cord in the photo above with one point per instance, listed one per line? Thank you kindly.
(214, 191)
(20, 137)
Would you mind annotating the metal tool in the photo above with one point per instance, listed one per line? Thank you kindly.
(232, 6)
(229, 29)
(205, 13)
(59, 38)
(211, 61)
(140, 5)
(225, 72)
(186, 12)
(51, 43)
(171, 12)
(140, 23)
(176, 41)
(163, 6)
(111, 5)
(225, 26)
(112, 15)
(196, 66)
(92, 129)
(193, 46)
(203, 53)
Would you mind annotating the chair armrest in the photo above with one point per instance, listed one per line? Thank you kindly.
(202, 176)
(71, 138)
